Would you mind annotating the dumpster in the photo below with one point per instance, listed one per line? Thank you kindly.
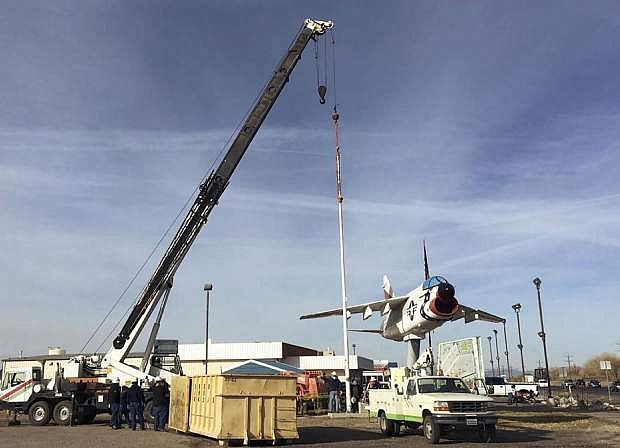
(239, 408)
(178, 414)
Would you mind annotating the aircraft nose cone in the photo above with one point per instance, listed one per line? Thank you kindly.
(445, 291)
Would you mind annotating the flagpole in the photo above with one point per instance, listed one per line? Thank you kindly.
(343, 285)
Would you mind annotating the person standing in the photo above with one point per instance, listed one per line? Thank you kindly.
(332, 383)
(114, 400)
(124, 408)
(135, 400)
(161, 396)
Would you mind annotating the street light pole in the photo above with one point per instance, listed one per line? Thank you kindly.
(542, 334)
(491, 356)
(208, 288)
(506, 352)
(499, 369)
(517, 308)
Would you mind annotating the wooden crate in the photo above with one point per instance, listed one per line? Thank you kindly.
(239, 408)
(178, 413)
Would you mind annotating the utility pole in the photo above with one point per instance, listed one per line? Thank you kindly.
(491, 356)
(506, 352)
(568, 361)
(517, 308)
(499, 369)
(343, 281)
(537, 282)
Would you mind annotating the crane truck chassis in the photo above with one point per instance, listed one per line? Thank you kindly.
(80, 388)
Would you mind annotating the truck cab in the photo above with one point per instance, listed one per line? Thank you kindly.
(437, 403)
(18, 383)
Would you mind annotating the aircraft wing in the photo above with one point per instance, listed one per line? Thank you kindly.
(383, 305)
(471, 314)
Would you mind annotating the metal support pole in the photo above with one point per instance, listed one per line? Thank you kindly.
(343, 282)
(542, 334)
(517, 308)
(506, 352)
(208, 288)
(491, 356)
(499, 369)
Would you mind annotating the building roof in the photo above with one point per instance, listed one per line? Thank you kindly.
(254, 367)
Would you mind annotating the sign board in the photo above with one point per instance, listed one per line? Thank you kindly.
(540, 373)
(563, 372)
(166, 346)
(605, 365)
(461, 358)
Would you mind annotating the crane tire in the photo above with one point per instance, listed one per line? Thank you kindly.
(39, 413)
(62, 413)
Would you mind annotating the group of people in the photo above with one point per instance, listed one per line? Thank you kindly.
(127, 403)
(335, 390)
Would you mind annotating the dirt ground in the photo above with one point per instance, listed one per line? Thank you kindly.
(523, 427)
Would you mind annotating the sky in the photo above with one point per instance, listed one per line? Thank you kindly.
(488, 129)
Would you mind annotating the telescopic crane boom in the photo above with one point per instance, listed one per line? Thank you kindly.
(209, 195)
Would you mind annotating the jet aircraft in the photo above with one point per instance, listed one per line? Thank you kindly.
(411, 316)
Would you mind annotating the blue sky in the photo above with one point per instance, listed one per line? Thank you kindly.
(490, 129)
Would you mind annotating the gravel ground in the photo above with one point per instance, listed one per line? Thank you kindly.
(523, 427)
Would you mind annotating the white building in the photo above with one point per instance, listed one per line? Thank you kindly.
(221, 357)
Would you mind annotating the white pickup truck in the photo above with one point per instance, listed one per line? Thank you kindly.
(438, 403)
(499, 387)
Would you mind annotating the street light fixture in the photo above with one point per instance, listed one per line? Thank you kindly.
(499, 369)
(517, 308)
(491, 356)
(506, 352)
(542, 334)
(208, 288)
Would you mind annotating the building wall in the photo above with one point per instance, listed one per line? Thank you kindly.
(221, 357)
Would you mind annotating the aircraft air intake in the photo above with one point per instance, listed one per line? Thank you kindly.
(444, 303)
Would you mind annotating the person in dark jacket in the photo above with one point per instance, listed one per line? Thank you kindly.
(124, 408)
(161, 398)
(332, 383)
(114, 400)
(135, 401)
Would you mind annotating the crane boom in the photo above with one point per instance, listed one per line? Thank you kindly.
(211, 191)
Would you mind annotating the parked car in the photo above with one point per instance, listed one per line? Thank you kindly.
(615, 386)
(568, 383)
(580, 382)
(594, 384)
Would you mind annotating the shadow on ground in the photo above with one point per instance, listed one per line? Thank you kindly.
(334, 434)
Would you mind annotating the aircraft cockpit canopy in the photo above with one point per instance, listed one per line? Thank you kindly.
(433, 281)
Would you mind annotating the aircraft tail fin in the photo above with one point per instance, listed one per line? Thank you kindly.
(388, 292)
(427, 274)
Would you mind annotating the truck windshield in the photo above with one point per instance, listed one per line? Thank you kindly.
(430, 385)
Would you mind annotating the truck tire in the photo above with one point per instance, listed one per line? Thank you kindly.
(431, 429)
(488, 434)
(386, 425)
(62, 413)
(39, 413)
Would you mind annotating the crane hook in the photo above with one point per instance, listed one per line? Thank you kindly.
(322, 92)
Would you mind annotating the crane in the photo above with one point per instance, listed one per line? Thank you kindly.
(209, 193)
(43, 400)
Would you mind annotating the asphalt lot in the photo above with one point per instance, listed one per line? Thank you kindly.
(526, 426)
